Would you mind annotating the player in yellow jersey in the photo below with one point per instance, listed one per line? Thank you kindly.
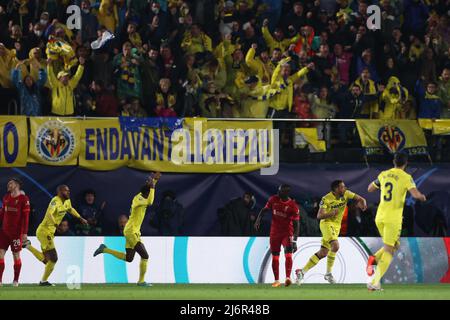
(57, 209)
(331, 211)
(393, 184)
(132, 230)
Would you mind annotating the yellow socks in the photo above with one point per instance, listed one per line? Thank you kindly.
(311, 263)
(142, 270)
(39, 255)
(382, 267)
(119, 255)
(330, 261)
(378, 254)
(49, 266)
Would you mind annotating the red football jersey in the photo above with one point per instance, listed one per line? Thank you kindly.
(14, 215)
(283, 213)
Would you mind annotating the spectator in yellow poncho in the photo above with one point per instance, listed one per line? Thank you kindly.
(255, 98)
(62, 89)
(108, 15)
(392, 99)
(8, 62)
(279, 41)
(262, 66)
(195, 41)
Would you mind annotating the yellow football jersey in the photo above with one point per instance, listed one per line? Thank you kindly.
(57, 209)
(394, 184)
(330, 202)
(138, 209)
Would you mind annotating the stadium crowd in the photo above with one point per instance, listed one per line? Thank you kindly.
(257, 58)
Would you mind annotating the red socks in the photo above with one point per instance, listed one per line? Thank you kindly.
(2, 268)
(17, 267)
(276, 267)
(288, 264)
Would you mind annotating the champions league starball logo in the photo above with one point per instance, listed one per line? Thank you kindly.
(392, 138)
(55, 142)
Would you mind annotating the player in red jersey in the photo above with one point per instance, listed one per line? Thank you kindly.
(14, 220)
(283, 230)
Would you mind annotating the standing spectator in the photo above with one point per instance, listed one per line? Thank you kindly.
(444, 92)
(238, 216)
(29, 91)
(428, 72)
(392, 99)
(282, 79)
(108, 15)
(415, 16)
(166, 100)
(62, 87)
(322, 108)
(342, 61)
(277, 40)
(127, 75)
(430, 104)
(195, 41)
(106, 103)
(89, 23)
(8, 61)
(370, 107)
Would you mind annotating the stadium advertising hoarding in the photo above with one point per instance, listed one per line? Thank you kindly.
(234, 260)
(13, 141)
(197, 145)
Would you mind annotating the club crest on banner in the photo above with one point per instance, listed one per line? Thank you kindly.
(392, 138)
(55, 142)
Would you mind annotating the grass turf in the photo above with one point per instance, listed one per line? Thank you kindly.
(225, 292)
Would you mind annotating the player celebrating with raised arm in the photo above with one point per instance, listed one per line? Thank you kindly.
(45, 233)
(14, 216)
(283, 230)
(331, 211)
(132, 230)
(393, 184)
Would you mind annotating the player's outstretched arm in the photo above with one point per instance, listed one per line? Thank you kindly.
(75, 213)
(152, 179)
(373, 186)
(417, 194)
(362, 203)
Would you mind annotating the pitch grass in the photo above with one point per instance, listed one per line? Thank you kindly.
(225, 292)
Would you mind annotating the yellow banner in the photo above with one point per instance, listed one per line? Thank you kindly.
(54, 141)
(200, 146)
(393, 136)
(13, 141)
(441, 127)
(310, 137)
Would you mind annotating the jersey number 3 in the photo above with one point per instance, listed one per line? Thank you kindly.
(388, 193)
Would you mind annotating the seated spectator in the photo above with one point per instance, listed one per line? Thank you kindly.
(93, 213)
(121, 223)
(430, 104)
(63, 229)
(29, 91)
(62, 86)
(169, 215)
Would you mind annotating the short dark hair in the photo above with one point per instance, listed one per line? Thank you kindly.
(60, 187)
(89, 191)
(284, 186)
(400, 159)
(335, 184)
